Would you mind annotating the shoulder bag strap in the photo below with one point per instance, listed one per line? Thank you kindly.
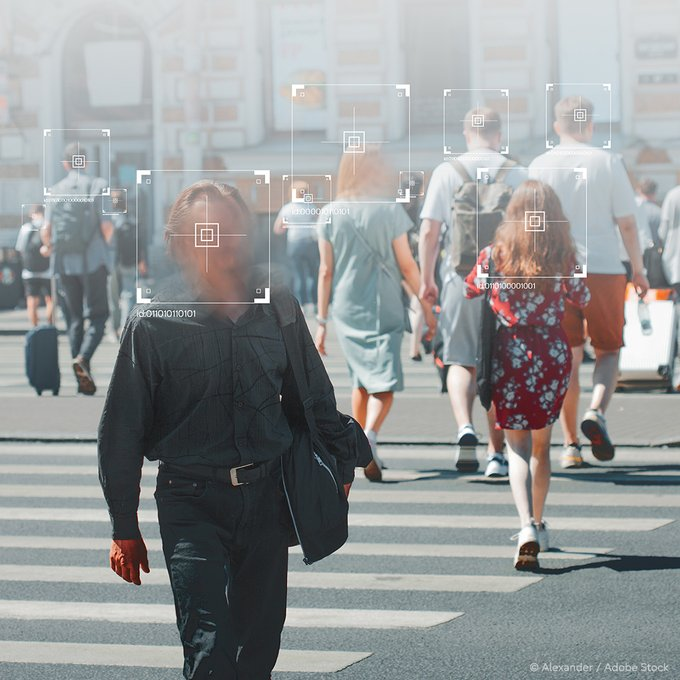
(290, 340)
(460, 169)
(504, 170)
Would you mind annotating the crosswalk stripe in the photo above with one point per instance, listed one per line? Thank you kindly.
(9, 513)
(159, 656)
(448, 583)
(296, 617)
(498, 496)
(359, 549)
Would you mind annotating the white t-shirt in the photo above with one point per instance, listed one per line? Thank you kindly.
(609, 196)
(300, 221)
(445, 181)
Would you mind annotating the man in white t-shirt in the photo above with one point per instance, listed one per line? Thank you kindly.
(598, 204)
(460, 318)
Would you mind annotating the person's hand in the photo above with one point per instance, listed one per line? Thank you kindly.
(347, 488)
(45, 250)
(639, 280)
(141, 266)
(126, 557)
(429, 293)
(430, 321)
(320, 340)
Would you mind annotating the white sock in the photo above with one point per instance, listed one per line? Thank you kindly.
(372, 437)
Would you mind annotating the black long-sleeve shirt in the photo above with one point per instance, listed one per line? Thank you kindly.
(205, 390)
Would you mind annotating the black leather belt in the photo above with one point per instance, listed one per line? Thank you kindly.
(236, 476)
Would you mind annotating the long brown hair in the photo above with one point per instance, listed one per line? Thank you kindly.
(366, 175)
(523, 248)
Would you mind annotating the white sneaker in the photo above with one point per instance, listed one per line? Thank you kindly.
(527, 549)
(571, 457)
(497, 465)
(466, 457)
(543, 536)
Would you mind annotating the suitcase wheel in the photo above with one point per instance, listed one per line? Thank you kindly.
(39, 393)
(55, 393)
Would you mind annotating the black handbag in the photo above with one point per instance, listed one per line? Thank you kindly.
(315, 495)
(488, 330)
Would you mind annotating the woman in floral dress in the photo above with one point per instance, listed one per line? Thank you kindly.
(532, 278)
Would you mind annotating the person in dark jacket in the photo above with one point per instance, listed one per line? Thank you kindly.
(201, 384)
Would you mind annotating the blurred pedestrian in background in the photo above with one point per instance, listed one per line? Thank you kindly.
(128, 258)
(454, 183)
(36, 272)
(76, 231)
(605, 190)
(531, 357)
(365, 254)
(301, 245)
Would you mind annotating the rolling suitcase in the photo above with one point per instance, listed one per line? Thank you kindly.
(649, 353)
(42, 359)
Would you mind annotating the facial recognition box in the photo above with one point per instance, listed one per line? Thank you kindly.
(357, 118)
(92, 158)
(569, 182)
(305, 196)
(214, 235)
(458, 102)
(577, 120)
(115, 203)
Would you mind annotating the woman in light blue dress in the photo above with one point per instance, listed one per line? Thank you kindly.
(365, 255)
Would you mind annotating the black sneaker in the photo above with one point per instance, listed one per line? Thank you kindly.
(81, 369)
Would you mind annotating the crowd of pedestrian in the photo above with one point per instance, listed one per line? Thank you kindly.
(234, 401)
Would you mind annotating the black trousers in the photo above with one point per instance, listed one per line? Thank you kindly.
(226, 550)
(86, 298)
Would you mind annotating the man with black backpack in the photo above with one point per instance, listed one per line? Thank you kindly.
(36, 271)
(468, 194)
(75, 233)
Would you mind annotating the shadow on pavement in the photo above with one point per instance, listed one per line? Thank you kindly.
(619, 563)
(626, 475)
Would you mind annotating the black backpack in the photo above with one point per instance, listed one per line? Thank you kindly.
(74, 220)
(34, 261)
(126, 242)
(477, 211)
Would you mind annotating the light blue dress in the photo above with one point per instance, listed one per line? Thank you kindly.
(367, 303)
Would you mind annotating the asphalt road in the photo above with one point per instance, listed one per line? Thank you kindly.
(429, 542)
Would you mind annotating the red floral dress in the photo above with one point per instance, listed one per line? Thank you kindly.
(532, 360)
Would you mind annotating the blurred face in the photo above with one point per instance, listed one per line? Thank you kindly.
(217, 251)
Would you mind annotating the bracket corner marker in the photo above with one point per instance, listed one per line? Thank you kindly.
(265, 174)
(406, 198)
(482, 173)
(265, 299)
(406, 87)
(447, 93)
(141, 174)
(294, 89)
(505, 93)
(480, 273)
(607, 86)
(140, 297)
(106, 132)
(549, 87)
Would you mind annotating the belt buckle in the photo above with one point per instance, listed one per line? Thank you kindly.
(233, 474)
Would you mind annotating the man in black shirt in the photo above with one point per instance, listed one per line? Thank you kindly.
(199, 387)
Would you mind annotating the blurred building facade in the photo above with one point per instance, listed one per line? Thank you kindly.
(206, 83)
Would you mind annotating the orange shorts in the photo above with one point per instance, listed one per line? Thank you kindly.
(603, 319)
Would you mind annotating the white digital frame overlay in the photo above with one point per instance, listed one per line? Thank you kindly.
(538, 227)
(206, 234)
(354, 140)
(580, 115)
(288, 196)
(103, 172)
(477, 120)
(115, 210)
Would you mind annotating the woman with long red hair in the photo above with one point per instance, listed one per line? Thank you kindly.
(529, 273)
